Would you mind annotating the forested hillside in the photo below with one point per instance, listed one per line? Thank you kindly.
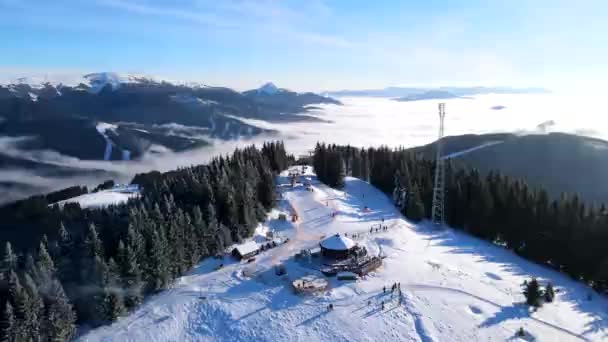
(566, 233)
(79, 266)
(557, 162)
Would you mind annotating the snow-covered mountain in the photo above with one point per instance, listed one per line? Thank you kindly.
(452, 287)
(271, 96)
(268, 88)
(136, 104)
(99, 80)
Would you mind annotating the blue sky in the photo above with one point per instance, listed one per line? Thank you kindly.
(314, 44)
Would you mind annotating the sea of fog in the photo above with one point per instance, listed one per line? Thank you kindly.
(378, 121)
(358, 122)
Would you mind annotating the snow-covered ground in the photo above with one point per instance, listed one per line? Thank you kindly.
(455, 287)
(102, 198)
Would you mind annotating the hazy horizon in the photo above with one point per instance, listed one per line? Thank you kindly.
(73, 79)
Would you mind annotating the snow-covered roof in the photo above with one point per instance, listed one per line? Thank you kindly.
(337, 243)
(247, 247)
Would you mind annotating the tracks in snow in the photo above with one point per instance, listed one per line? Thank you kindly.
(424, 287)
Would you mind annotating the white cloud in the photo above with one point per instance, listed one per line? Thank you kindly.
(175, 12)
(264, 17)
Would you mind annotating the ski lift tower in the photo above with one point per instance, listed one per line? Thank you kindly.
(437, 212)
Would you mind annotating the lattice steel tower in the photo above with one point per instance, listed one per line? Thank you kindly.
(437, 213)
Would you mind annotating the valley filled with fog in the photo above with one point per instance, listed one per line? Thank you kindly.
(377, 121)
(360, 121)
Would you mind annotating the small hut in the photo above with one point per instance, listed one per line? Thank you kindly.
(246, 250)
(337, 247)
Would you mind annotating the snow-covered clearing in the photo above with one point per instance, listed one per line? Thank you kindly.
(455, 287)
(102, 198)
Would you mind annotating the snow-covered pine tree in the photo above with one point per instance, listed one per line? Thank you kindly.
(19, 299)
(114, 305)
(60, 319)
(92, 243)
(9, 260)
(45, 263)
(158, 275)
(34, 309)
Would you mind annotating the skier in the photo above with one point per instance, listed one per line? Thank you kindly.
(382, 305)
(384, 289)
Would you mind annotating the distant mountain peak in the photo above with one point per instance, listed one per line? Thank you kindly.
(99, 80)
(268, 88)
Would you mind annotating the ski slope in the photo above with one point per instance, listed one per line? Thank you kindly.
(455, 287)
(102, 127)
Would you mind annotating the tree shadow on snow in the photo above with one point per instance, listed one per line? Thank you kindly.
(247, 315)
(571, 290)
(312, 319)
(372, 312)
(515, 311)
(598, 324)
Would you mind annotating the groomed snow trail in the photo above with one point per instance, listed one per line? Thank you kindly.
(454, 287)
(469, 150)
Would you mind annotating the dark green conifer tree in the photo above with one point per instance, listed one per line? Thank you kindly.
(8, 324)
(415, 207)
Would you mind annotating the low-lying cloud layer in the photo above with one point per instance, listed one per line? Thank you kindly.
(377, 121)
(359, 122)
